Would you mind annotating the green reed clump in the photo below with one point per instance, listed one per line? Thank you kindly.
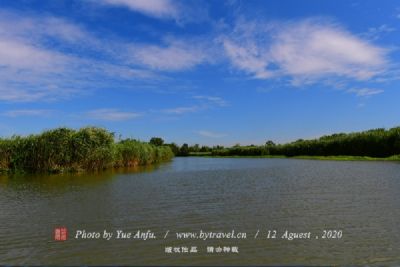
(92, 149)
(65, 149)
(131, 152)
(5, 154)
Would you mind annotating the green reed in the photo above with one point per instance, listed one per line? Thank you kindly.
(86, 149)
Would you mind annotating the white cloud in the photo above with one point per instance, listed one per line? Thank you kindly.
(39, 27)
(28, 86)
(175, 56)
(154, 8)
(203, 103)
(181, 110)
(304, 51)
(19, 95)
(215, 100)
(35, 67)
(365, 92)
(210, 134)
(27, 112)
(248, 58)
(375, 33)
(29, 69)
(34, 64)
(23, 42)
(109, 114)
(319, 50)
(22, 56)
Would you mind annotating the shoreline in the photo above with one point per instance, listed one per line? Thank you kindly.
(395, 158)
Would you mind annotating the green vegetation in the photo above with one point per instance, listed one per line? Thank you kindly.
(157, 141)
(65, 149)
(377, 143)
(186, 150)
(92, 148)
(350, 158)
(340, 158)
(367, 145)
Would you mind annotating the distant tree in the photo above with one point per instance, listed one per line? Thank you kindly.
(269, 143)
(157, 141)
(174, 147)
(195, 148)
(184, 150)
(205, 149)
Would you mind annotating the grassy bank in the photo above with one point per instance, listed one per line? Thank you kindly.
(348, 158)
(339, 158)
(86, 149)
(375, 144)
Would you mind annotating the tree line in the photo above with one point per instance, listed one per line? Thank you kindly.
(378, 143)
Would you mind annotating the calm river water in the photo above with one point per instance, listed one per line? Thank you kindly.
(361, 199)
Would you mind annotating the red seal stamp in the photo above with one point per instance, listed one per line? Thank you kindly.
(60, 234)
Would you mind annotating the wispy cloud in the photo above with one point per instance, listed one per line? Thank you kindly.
(111, 114)
(28, 113)
(375, 33)
(181, 110)
(365, 92)
(210, 134)
(360, 105)
(22, 56)
(181, 12)
(214, 100)
(154, 8)
(44, 58)
(175, 55)
(35, 64)
(305, 50)
(36, 28)
(247, 58)
(203, 103)
(33, 70)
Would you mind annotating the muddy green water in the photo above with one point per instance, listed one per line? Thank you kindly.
(362, 199)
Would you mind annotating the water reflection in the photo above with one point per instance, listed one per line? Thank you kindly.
(66, 181)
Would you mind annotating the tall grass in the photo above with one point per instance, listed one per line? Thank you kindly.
(132, 153)
(65, 149)
(378, 143)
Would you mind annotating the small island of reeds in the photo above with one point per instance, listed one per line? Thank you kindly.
(69, 150)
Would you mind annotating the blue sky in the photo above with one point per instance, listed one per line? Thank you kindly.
(207, 72)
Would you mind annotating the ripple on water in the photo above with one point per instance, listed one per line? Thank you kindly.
(212, 194)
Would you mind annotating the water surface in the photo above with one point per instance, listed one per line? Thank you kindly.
(212, 194)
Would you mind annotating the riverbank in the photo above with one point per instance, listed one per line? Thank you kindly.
(374, 144)
(336, 158)
(69, 150)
